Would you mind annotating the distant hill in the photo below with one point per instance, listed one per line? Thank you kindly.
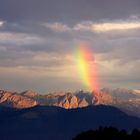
(46, 122)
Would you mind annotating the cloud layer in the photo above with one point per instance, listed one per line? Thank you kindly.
(38, 40)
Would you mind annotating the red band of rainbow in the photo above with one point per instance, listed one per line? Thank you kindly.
(86, 66)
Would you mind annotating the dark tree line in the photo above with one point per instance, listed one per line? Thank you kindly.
(108, 133)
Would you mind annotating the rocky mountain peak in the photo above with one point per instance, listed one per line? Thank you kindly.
(29, 93)
(83, 103)
(73, 102)
(15, 100)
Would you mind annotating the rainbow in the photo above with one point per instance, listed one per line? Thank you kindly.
(86, 66)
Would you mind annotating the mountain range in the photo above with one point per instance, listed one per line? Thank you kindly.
(124, 99)
(62, 115)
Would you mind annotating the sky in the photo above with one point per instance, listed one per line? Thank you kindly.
(38, 39)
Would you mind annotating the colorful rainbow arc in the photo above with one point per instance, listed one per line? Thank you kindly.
(86, 66)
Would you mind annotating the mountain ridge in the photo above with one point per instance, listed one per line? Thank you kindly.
(126, 100)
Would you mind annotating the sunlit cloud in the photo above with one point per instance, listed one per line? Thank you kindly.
(90, 26)
(57, 27)
(84, 26)
(18, 38)
(1, 23)
(105, 27)
(120, 25)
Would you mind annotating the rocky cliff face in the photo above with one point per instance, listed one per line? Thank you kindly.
(29, 98)
(66, 100)
(16, 100)
(29, 93)
(83, 103)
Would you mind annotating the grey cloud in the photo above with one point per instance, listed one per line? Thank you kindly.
(68, 11)
(23, 40)
(30, 60)
(124, 50)
(110, 45)
(44, 85)
(129, 82)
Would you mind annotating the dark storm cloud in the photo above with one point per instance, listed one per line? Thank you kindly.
(67, 10)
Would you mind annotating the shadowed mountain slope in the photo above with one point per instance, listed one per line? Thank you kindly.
(53, 123)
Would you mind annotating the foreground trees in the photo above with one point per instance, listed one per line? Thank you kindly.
(108, 133)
